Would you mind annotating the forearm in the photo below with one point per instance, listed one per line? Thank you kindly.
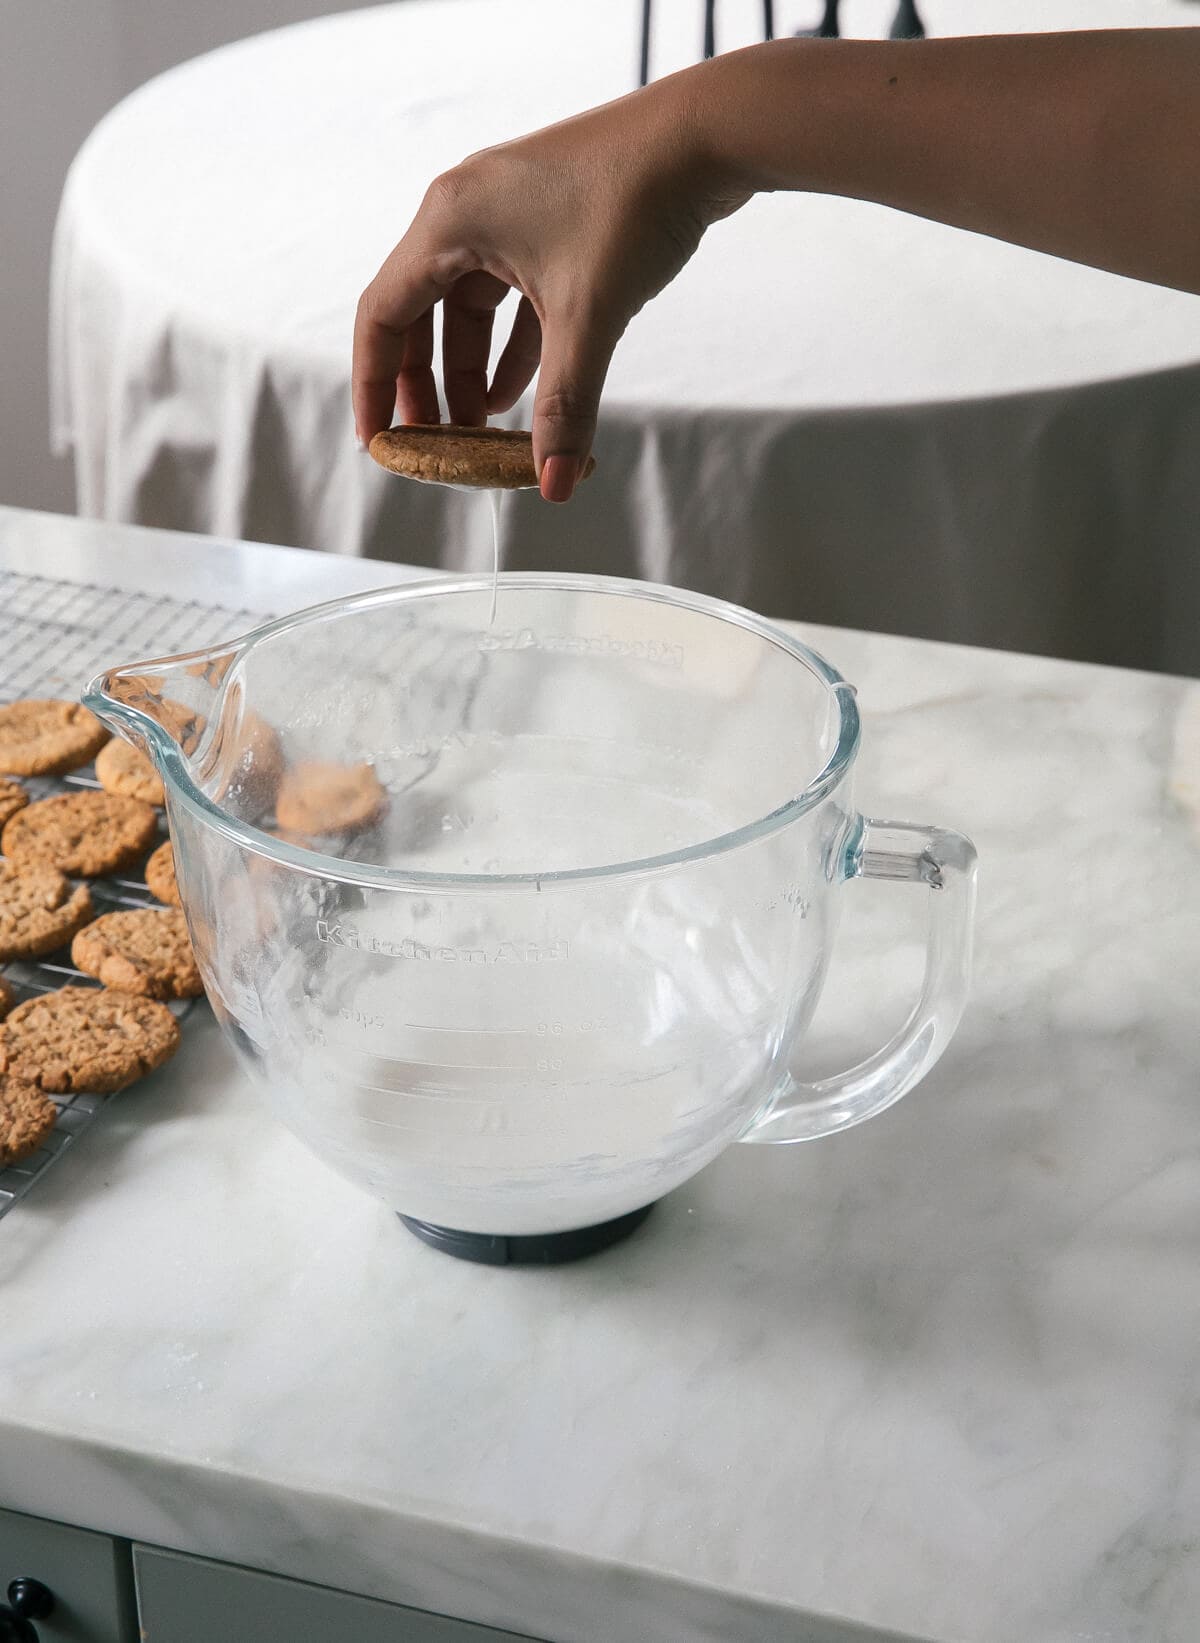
(1085, 145)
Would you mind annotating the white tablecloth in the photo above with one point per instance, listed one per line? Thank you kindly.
(837, 412)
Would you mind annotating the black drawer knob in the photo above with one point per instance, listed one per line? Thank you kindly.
(28, 1601)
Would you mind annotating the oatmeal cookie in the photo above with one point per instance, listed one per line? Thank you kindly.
(86, 1038)
(317, 798)
(479, 458)
(160, 875)
(40, 910)
(124, 769)
(47, 738)
(13, 797)
(26, 1119)
(85, 833)
(145, 951)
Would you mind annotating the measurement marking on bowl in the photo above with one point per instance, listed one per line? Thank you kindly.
(510, 1068)
(407, 1060)
(554, 949)
(475, 1032)
(540, 1029)
(451, 1095)
(429, 1089)
(496, 1131)
(438, 1093)
(448, 1066)
(411, 1067)
(662, 652)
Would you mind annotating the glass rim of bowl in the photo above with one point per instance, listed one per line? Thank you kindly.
(174, 770)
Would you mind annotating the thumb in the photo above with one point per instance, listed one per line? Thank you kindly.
(575, 361)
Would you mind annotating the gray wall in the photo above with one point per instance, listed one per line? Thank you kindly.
(63, 63)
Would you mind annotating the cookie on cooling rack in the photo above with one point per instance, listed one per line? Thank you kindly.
(160, 875)
(26, 1119)
(40, 910)
(86, 833)
(47, 737)
(86, 1038)
(143, 691)
(125, 770)
(251, 785)
(7, 998)
(145, 950)
(316, 798)
(13, 797)
(479, 458)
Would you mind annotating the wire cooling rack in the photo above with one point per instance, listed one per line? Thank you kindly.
(54, 638)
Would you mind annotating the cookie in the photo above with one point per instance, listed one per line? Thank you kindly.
(160, 875)
(85, 1038)
(7, 998)
(182, 723)
(144, 951)
(47, 738)
(39, 910)
(144, 691)
(212, 669)
(124, 769)
(13, 797)
(317, 798)
(85, 833)
(244, 777)
(26, 1119)
(479, 458)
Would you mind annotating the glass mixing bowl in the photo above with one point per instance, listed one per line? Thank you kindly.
(519, 923)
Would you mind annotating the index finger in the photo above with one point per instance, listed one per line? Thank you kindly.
(400, 295)
(467, 316)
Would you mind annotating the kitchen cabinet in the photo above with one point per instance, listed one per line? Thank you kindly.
(102, 1595)
(89, 1575)
(190, 1600)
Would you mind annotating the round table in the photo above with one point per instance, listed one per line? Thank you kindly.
(837, 412)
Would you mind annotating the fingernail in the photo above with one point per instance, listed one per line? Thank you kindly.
(559, 474)
(360, 443)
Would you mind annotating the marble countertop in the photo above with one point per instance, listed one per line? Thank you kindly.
(937, 1377)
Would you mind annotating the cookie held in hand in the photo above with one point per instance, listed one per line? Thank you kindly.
(479, 459)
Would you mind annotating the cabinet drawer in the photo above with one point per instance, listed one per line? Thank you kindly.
(189, 1600)
(88, 1574)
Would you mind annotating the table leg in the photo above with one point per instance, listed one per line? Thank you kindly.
(644, 72)
(710, 42)
(827, 28)
(907, 24)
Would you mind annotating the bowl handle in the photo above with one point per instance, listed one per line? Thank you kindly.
(945, 863)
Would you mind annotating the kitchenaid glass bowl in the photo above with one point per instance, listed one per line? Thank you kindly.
(519, 923)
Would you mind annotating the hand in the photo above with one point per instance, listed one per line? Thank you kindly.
(588, 219)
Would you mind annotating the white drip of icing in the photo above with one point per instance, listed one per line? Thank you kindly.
(494, 498)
